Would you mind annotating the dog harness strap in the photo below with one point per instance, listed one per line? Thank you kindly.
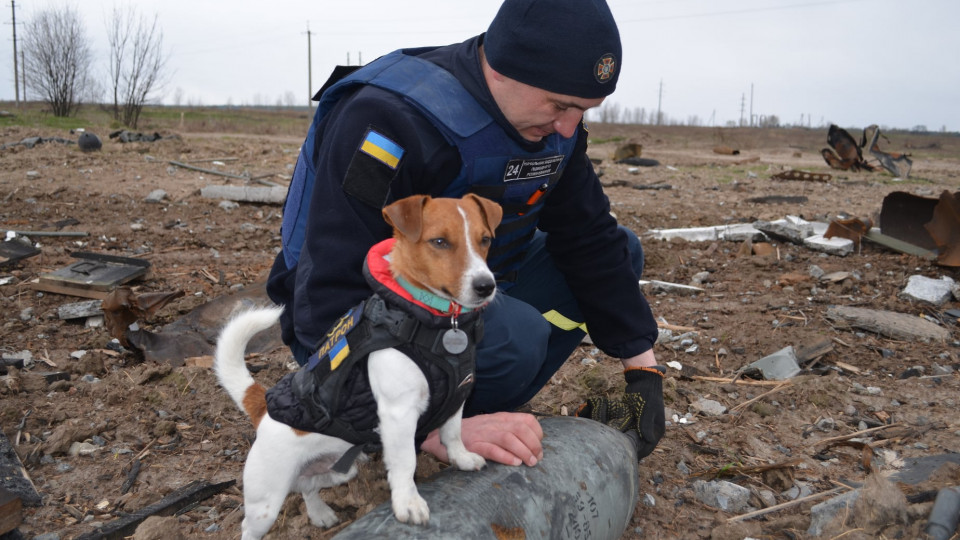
(343, 464)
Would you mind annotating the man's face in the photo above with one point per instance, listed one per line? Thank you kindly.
(537, 113)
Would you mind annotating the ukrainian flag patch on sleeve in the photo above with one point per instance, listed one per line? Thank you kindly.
(381, 148)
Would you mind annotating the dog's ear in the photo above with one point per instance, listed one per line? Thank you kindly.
(492, 212)
(406, 215)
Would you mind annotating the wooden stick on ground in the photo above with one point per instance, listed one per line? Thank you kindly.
(778, 507)
(779, 387)
(854, 434)
(735, 381)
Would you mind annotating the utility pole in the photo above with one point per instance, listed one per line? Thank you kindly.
(16, 74)
(751, 104)
(309, 68)
(743, 105)
(23, 67)
(659, 102)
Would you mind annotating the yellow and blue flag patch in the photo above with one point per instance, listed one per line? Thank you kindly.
(382, 148)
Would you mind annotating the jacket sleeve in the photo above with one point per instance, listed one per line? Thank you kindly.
(342, 227)
(591, 251)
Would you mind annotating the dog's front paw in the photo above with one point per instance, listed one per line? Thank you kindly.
(468, 461)
(411, 509)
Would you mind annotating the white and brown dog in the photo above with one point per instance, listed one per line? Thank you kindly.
(439, 249)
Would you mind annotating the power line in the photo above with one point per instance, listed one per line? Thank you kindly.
(739, 11)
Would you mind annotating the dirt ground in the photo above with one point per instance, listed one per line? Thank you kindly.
(181, 427)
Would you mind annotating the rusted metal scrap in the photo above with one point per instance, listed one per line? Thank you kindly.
(898, 164)
(852, 229)
(123, 307)
(931, 225)
(802, 175)
(944, 228)
(844, 153)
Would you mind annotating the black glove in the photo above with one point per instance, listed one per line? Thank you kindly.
(640, 409)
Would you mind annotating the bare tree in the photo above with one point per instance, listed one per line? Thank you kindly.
(137, 62)
(57, 59)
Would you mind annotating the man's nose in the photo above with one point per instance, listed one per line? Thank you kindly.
(567, 122)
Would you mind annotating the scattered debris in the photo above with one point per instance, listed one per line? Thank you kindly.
(888, 323)
(268, 195)
(30, 142)
(14, 251)
(945, 514)
(932, 291)
(792, 228)
(722, 495)
(79, 310)
(14, 477)
(843, 153)
(122, 307)
(93, 276)
(156, 196)
(639, 162)
(656, 286)
(189, 495)
(897, 164)
(852, 229)
(944, 228)
(778, 366)
(627, 150)
(726, 150)
(737, 233)
(930, 227)
(802, 175)
(209, 171)
(834, 246)
(779, 199)
(125, 136)
(89, 142)
(192, 335)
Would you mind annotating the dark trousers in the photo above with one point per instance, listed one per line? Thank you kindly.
(521, 349)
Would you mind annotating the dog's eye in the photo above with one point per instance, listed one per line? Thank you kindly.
(486, 241)
(440, 243)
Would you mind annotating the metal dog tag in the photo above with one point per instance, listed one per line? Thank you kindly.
(455, 341)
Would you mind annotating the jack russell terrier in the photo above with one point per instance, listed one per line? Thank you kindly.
(390, 371)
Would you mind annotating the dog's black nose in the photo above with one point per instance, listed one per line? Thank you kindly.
(483, 286)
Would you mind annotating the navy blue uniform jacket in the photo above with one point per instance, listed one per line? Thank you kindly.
(583, 238)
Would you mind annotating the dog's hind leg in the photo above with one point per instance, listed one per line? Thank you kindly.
(320, 514)
(460, 457)
(402, 394)
(268, 477)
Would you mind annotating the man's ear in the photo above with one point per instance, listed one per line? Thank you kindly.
(492, 212)
(406, 215)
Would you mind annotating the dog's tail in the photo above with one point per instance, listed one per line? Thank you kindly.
(229, 364)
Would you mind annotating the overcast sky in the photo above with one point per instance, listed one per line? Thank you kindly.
(850, 62)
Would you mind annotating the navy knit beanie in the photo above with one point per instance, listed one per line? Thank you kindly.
(569, 47)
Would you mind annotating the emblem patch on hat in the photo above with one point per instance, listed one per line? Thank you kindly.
(606, 67)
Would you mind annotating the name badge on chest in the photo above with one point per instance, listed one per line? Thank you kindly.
(529, 168)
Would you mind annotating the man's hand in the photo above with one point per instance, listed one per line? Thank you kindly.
(503, 437)
(640, 409)
(644, 399)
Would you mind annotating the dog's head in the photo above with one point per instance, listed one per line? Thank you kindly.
(441, 245)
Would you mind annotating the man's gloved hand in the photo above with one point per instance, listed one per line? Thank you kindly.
(640, 409)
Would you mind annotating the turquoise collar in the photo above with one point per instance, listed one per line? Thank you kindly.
(430, 299)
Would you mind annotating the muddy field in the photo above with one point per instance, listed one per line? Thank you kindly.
(80, 438)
